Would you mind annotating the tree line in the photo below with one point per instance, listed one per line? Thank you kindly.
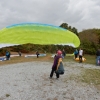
(89, 38)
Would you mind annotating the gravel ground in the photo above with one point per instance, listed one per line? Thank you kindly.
(30, 81)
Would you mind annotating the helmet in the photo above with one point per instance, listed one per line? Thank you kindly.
(59, 52)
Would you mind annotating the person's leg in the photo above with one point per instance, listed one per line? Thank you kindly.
(75, 56)
(52, 72)
(7, 58)
(57, 75)
(37, 55)
(99, 60)
(96, 60)
(80, 58)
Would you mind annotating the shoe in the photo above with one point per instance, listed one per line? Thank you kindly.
(57, 78)
(50, 77)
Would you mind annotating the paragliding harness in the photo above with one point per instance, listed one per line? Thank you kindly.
(60, 69)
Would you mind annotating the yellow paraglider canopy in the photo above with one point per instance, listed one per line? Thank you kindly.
(37, 33)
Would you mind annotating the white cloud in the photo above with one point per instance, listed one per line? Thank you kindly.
(82, 14)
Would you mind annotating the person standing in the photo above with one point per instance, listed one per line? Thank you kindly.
(55, 64)
(19, 53)
(98, 57)
(37, 53)
(76, 53)
(80, 55)
(7, 55)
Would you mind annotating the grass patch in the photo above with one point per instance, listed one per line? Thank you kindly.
(90, 59)
(91, 76)
(17, 59)
(7, 95)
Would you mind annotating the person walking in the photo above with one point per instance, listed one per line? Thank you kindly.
(80, 55)
(57, 58)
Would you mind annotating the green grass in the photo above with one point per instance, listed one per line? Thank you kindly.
(91, 76)
(88, 76)
(90, 59)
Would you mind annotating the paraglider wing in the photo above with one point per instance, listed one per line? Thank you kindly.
(37, 33)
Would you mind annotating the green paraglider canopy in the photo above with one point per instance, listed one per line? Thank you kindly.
(37, 33)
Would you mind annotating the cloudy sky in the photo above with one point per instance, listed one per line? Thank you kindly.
(81, 14)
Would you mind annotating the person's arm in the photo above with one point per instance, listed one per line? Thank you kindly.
(60, 60)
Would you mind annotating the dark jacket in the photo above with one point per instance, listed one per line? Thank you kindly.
(98, 53)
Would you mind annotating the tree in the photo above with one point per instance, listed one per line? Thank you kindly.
(70, 28)
(75, 31)
(64, 25)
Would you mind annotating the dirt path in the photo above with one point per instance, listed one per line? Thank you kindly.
(30, 81)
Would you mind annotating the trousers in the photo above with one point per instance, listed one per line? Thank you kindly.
(52, 72)
(98, 60)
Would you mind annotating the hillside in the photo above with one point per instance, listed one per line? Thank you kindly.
(91, 35)
(90, 40)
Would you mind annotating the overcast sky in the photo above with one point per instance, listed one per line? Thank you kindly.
(81, 14)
